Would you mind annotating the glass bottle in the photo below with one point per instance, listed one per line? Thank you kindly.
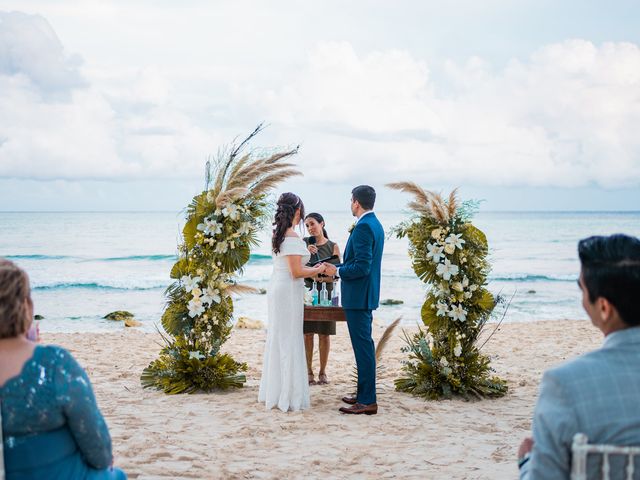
(324, 295)
(335, 295)
(314, 294)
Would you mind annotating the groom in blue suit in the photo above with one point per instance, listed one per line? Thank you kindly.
(360, 275)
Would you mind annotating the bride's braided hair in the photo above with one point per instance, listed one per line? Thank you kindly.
(287, 205)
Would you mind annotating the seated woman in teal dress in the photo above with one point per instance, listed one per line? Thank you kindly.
(51, 425)
(321, 247)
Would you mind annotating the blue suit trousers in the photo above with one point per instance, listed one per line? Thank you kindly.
(359, 323)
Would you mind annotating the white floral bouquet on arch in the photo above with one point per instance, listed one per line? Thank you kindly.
(220, 230)
(449, 254)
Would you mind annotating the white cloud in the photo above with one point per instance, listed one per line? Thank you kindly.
(29, 47)
(566, 116)
(57, 122)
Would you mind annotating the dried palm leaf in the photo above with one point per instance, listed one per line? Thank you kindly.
(276, 157)
(254, 171)
(241, 163)
(452, 203)
(386, 336)
(420, 208)
(241, 289)
(230, 195)
(410, 187)
(272, 180)
(439, 207)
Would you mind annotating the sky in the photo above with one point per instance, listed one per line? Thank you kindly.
(116, 105)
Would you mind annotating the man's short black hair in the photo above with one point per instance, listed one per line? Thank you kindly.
(365, 195)
(611, 270)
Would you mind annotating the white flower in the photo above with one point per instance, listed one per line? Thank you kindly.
(212, 295)
(196, 292)
(457, 351)
(446, 270)
(444, 362)
(434, 252)
(442, 309)
(455, 240)
(457, 286)
(221, 247)
(190, 283)
(457, 312)
(195, 307)
(443, 289)
(245, 228)
(210, 227)
(449, 249)
(231, 211)
(195, 354)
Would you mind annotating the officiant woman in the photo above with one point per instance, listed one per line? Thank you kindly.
(320, 247)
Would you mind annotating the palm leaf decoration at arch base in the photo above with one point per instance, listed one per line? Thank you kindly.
(448, 254)
(221, 228)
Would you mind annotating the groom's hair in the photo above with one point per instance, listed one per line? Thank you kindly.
(365, 195)
(611, 270)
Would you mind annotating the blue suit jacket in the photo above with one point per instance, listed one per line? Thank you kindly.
(360, 270)
(597, 394)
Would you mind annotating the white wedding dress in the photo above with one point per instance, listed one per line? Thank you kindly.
(284, 380)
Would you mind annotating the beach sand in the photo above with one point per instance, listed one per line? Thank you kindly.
(230, 435)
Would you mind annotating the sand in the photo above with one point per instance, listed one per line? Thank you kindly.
(230, 435)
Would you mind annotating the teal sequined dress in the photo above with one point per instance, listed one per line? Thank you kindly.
(51, 424)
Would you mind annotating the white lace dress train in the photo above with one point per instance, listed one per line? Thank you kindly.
(284, 380)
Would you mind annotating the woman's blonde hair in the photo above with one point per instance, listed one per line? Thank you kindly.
(15, 300)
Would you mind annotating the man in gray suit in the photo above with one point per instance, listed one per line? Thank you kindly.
(597, 394)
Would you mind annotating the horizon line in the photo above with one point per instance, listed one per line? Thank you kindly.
(327, 211)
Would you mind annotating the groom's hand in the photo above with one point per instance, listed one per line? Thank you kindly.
(330, 269)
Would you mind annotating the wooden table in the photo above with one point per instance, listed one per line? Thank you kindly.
(326, 314)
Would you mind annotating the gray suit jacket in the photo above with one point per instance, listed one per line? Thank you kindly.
(597, 394)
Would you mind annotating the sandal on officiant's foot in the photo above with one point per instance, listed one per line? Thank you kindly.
(322, 379)
(312, 380)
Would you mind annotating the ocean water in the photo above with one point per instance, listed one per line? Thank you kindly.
(85, 265)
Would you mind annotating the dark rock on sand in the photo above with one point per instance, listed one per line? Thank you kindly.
(391, 301)
(119, 315)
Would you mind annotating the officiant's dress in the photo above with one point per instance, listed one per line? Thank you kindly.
(284, 381)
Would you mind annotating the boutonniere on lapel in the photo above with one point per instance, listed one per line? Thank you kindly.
(352, 227)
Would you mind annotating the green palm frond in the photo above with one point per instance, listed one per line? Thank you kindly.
(221, 227)
(444, 359)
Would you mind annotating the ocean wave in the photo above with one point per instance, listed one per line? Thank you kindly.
(36, 257)
(526, 277)
(137, 257)
(255, 258)
(95, 286)
(259, 258)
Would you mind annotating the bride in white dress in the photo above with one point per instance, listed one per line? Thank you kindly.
(284, 370)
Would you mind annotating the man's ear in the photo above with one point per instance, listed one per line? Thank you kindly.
(605, 309)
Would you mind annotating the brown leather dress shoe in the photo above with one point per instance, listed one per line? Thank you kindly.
(350, 400)
(360, 408)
